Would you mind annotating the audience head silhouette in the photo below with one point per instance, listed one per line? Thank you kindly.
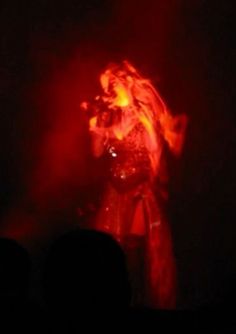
(15, 268)
(86, 271)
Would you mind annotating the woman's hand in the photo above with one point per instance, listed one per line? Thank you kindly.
(104, 119)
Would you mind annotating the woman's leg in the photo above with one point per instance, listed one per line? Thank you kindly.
(133, 246)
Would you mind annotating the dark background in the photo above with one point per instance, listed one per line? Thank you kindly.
(51, 54)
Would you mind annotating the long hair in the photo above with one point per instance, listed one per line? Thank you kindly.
(139, 94)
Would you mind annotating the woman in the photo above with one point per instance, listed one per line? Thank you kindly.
(131, 125)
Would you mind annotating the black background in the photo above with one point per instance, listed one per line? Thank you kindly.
(186, 48)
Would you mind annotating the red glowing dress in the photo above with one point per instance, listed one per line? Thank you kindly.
(134, 147)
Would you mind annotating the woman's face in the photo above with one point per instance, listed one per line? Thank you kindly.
(117, 89)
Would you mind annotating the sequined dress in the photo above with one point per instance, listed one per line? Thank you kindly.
(130, 208)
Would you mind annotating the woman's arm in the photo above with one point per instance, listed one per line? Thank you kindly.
(100, 133)
(173, 131)
(98, 137)
(98, 144)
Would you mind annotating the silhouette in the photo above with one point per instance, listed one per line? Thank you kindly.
(85, 275)
(17, 310)
(15, 269)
